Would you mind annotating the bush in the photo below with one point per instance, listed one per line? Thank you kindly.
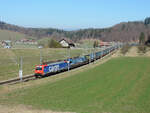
(54, 44)
(125, 49)
(142, 49)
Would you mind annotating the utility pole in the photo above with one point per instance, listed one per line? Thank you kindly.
(20, 70)
(89, 56)
(41, 59)
(90, 53)
(68, 59)
(102, 54)
(109, 51)
(94, 56)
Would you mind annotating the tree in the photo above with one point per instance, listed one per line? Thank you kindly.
(147, 21)
(54, 44)
(148, 41)
(95, 44)
(142, 39)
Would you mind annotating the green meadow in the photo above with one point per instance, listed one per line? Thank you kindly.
(121, 85)
(10, 59)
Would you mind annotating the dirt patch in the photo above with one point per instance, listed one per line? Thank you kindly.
(133, 52)
(117, 54)
(23, 109)
(148, 52)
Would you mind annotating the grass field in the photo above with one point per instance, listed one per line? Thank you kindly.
(87, 43)
(10, 59)
(25, 46)
(120, 85)
(10, 35)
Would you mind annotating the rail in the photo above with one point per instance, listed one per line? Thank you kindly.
(15, 80)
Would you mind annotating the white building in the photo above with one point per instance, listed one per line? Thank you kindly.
(66, 43)
(8, 47)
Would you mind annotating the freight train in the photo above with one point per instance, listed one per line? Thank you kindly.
(50, 68)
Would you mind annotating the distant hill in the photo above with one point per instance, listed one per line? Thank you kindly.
(30, 32)
(126, 31)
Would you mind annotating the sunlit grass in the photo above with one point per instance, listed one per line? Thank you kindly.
(120, 85)
(10, 59)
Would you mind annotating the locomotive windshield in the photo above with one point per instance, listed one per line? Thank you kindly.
(38, 68)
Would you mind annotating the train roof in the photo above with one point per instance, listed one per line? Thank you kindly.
(55, 63)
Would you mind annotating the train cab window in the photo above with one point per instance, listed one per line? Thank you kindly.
(38, 68)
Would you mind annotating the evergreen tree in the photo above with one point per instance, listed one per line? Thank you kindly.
(95, 44)
(142, 39)
(148, 41)
(147, 21)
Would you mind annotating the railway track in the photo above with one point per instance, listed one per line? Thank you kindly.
(17, 80)
(30, 77)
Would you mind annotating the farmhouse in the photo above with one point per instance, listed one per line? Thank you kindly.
(6, 43)
(66, 43)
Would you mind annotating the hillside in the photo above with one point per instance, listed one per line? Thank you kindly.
(11, 35)
(126, 31)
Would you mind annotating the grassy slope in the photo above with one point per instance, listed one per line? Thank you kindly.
(120, 85)
(9, 35)
(87, 43)
(9, 59)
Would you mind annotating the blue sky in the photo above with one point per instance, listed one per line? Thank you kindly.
(72, 14)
